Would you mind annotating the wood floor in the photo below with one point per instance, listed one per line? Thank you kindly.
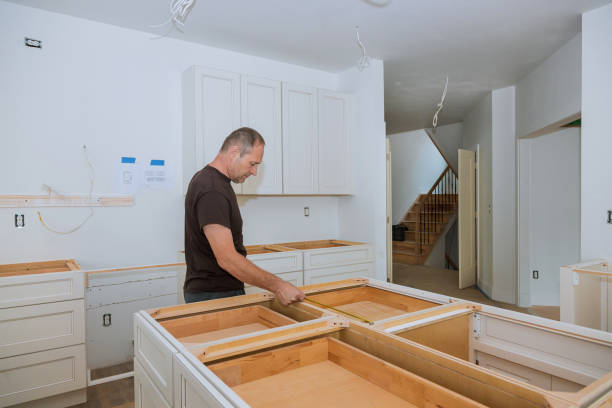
(115, 394)
(120, 394)
(445, 281)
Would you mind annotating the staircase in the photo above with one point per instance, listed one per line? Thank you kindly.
(427, 219)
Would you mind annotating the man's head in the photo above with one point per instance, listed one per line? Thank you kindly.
(243, 151)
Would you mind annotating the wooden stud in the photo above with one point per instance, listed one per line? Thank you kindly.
(23, 201)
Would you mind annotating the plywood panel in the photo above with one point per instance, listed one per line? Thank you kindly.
(371, 303)
(450, 336)
(317, 385)
(231, 322)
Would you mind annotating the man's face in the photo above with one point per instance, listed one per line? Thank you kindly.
(243, 167)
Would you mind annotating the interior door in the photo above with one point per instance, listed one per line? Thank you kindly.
(467, 218)
(389, 214)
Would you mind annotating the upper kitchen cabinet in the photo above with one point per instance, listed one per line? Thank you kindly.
(307, 131)
(300, 151)
(333, 143)
(211, 111)
(261, 110)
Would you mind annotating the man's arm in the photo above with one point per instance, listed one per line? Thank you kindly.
(230, 260)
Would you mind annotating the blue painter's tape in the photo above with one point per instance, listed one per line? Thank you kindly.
(157, 162)
(131, 160)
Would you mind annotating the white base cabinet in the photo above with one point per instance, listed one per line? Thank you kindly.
(42, 336)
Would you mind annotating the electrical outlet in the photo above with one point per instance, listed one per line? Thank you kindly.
(536, 274)
(609, 216)
(106, 320)
(306, 211)
(19, 220)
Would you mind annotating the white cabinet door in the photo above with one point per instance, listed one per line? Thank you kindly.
(333, 143)
(300, 159)
(192, 390)
(33, 376)
(328, 257)
(261, 110)
(28, 329)
(211, 111)
(41, 288)
(314, 276)
(146, 394)
(154, 354)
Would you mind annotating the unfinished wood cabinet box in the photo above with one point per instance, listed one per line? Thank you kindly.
(361, 342)
(42, 334)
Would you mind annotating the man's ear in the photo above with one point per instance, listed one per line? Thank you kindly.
(234, 151)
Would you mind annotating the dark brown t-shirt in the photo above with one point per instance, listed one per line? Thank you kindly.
(210, 200)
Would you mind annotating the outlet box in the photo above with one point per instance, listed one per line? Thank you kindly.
(306, 211)
(609, 216)
(536, 274)
(106, 320)
(19, 220)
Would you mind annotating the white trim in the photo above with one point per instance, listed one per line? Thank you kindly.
(91, 383)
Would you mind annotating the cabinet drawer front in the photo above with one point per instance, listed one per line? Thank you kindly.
(278, 263)
(40, 288)
(192, 390)
(29, 329)
(314, 276)
(295, 278)
(146, 394)
(320, 258)
(38, 375)
(155, 355)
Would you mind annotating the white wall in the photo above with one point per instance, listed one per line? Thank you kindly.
(119, 92)
(416, 165)
(503, 197)
(551, 92)
(362, 217)
(477, 135)
(554, 222)
(596, 133)
(448, 138)
(263, 219)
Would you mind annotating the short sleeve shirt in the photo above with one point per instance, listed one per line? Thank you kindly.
(210, 199)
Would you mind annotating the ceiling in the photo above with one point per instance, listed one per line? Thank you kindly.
(480, 44)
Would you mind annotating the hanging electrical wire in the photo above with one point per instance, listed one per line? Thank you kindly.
(440, 105)
(179, 10)
(51, 191)
(364, 61)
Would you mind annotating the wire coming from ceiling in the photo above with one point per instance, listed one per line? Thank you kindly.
(440, 105)
(179, 11)
(364, 61)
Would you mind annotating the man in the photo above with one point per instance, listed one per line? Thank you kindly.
(214, 252)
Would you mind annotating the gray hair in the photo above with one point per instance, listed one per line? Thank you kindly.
(245, 138)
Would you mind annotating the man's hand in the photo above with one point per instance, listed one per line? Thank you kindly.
(286, 293)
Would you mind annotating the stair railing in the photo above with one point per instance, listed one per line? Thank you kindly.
(440, 199)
